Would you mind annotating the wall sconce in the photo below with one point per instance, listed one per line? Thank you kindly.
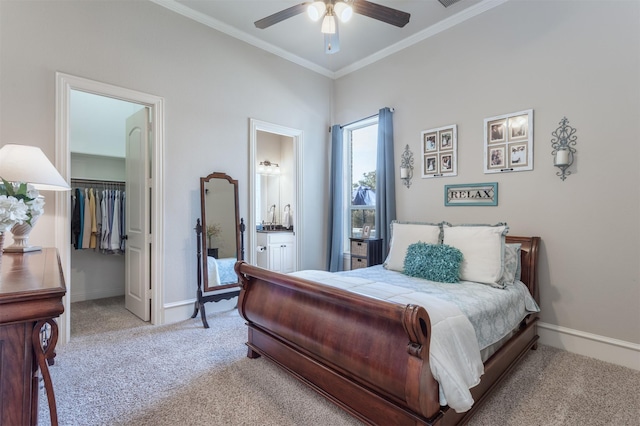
(564, 137)
(406, 166)
(266, 167)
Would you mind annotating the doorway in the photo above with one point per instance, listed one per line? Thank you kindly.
(152, 182)
(269, 205)
(107, 175)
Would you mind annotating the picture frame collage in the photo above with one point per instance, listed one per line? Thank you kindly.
(508, 142)
(439, 152)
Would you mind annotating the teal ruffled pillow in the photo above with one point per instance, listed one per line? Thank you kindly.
(433, 262)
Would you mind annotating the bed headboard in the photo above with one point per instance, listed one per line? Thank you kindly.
(529, 262)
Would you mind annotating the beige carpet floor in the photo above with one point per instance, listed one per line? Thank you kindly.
(118, 370)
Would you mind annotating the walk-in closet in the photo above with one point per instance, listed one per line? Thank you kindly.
(97, 141)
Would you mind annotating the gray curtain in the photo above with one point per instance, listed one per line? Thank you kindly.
(336, 218)
(385, 177)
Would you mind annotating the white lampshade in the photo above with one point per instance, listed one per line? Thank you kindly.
(22, 163)
(343, 11)
(329, 24)
(316, 10)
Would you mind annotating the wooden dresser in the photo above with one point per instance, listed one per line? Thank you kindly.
(31, 292)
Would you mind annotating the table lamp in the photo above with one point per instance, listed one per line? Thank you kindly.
(28, 164)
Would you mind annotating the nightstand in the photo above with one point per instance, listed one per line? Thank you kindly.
(365, 252)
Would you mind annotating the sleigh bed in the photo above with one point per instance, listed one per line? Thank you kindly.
(369, 356)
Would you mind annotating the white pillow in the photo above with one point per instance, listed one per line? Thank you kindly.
(404, 234)
(482, 248)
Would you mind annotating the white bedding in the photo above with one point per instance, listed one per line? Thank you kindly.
(454, 353)
(220, 271)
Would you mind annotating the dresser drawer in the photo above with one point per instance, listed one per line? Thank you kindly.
(358, 262)
(359, 248)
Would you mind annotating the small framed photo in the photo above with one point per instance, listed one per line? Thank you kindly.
(366, 231)
(430, 141)
(497, 159)
(508, 142)
(518, 154)
(446, 140)
(439, 152)
(497, 131)
(446, 162)
(518, 127)
(431, 163)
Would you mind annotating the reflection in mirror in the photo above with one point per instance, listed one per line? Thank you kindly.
(268, 199)
(221, 246)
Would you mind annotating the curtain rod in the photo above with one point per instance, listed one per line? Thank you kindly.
(361, 119)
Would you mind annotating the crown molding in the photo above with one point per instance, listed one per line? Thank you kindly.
(437, 28)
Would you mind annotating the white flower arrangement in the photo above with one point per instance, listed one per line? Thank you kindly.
(19, 203)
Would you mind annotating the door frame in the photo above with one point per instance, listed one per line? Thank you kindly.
(64, 84)
(263, 126)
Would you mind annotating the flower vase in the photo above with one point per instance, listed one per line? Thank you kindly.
(20, 234)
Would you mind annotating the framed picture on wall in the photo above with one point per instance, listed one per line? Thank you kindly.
(429, 141)
(473, 194)
(508, 142)
(518, 155)
(497, 131)
(439, 152)
(431, 164)
(497, 159)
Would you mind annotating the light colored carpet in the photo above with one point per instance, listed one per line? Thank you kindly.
(118, 370)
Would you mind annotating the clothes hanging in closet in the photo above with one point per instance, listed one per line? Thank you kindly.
(98, 221)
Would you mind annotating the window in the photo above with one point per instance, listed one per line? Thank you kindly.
(361, 145)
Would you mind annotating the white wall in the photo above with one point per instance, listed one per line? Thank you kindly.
(212, 84)
(579, 59)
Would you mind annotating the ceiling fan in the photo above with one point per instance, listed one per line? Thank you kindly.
(328, 10)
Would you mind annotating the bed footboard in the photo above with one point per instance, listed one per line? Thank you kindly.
(369, 356)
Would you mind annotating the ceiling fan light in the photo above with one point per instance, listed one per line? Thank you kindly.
(329, 24)
(343, 11)
(316, 10)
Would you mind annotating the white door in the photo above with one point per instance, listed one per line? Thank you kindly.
(137, 253)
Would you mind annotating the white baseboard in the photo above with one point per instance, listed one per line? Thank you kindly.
(603, 348)
(182, 310)
(96, 294)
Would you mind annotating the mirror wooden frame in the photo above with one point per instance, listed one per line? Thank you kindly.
(232, 289)
(203, 216)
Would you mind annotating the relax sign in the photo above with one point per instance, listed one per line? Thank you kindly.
(476, 194)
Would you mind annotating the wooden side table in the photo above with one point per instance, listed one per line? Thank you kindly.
(31, 292)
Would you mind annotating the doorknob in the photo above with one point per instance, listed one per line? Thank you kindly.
(125, 237)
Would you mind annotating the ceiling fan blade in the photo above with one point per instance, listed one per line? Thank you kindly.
(381, 13)
(281, 16)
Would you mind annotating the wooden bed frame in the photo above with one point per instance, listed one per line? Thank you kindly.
(368, 356)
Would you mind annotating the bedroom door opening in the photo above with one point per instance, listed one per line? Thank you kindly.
(141, 142)
(108, 143)
(275, 199)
